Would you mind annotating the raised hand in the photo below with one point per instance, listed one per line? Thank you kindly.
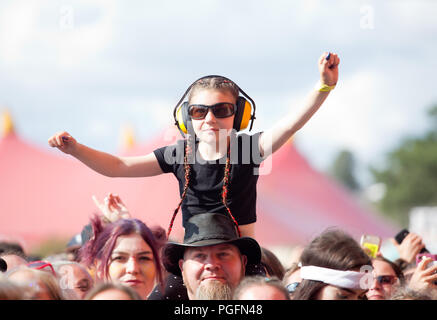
(425, 275)
(328, 68)
(63, 141)
(112, 208)
(410, 247)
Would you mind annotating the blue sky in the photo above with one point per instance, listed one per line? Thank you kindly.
(92, 67)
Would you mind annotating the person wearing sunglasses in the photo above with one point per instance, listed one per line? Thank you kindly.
(217, 169)
(387, 277)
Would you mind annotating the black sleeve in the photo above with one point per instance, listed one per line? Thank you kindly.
(169, 156)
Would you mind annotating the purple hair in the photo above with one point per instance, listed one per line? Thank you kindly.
(100, 246)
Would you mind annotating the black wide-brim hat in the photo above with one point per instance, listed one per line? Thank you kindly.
(209, 229)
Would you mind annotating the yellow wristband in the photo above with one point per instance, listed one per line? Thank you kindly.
(324, 87)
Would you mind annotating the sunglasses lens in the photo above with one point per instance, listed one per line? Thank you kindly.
(220, 110)
(198, 112)
(223, 110)
(385, 279)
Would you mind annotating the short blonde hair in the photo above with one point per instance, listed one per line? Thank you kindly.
(48, 279)
(10, 290)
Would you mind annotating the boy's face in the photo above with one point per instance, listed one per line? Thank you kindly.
(212, 130)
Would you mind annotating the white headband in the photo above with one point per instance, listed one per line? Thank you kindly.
(339, 278)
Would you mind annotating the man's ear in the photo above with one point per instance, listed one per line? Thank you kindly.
(244, 263)
(181, 264)
(244, 260)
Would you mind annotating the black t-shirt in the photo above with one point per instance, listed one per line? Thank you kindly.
(204, 192)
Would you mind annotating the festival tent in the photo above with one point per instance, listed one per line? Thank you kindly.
(45, 193)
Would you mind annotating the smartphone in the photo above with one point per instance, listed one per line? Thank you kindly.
(401, 236)
(420, 256)
(372, 243)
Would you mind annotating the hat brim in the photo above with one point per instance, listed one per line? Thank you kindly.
(173, 251)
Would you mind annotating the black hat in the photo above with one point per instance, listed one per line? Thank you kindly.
(208, 229)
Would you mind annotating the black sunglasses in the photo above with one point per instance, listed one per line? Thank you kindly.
(220, 110)
(386, 279)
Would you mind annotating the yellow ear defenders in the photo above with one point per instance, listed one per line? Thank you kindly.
(244, 114)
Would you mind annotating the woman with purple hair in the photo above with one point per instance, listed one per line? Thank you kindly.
(125, 251)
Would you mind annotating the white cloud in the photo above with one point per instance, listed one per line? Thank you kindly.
(130, 62)
(18, 19)
(83, 42)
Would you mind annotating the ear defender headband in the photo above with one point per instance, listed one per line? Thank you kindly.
(244, 114)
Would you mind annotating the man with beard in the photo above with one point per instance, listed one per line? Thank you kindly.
(212, 259)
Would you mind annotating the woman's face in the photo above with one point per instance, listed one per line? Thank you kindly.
(211, 129)
(132, 264)
(330, 292)
(383, 290)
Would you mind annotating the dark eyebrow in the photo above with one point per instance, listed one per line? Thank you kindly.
(137, 254)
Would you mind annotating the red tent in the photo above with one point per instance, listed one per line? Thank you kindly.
(305, 202)
(46, 193)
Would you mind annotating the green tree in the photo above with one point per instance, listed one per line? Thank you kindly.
(343, 169)
(410, 175)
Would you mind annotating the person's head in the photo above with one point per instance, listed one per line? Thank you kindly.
(212, 259)
(112, 291)
(386, 277)
(43, 285)
(330, 268)
(207, 123)
(10, 290)
(292, 279)
(260, 288)
(125, 251)
(74, 279)
(271, 263)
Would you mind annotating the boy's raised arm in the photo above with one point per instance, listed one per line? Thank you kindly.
(105, 163)
(273, 138)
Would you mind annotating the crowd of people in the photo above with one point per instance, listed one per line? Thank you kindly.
(121, 258)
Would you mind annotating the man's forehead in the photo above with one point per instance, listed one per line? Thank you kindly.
(216, 247)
